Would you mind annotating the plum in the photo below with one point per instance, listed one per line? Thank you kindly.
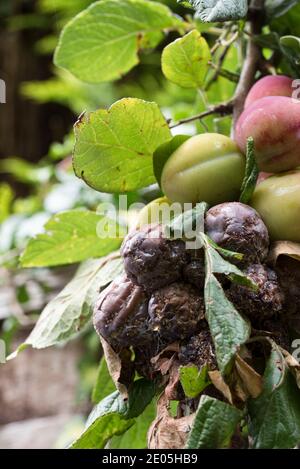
(274, 124)
(277, 200)
(271, 85)
(207, 167)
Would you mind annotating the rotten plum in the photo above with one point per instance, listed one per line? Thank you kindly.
(194, 271)
(199, 350)
(121, 315)
(176, 311)
(236, 227)
(151, 260)
(264, 303)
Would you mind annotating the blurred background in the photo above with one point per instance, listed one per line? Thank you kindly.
(45, 394)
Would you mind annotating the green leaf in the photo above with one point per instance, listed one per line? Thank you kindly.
(193, 380)
(107, 419)
(25, 172)
(104, 384)
(71, 310)
(251, 174)
(275, 414)
(136, 436)
(71, 237)
(113, 416)
(185, 61)
(290, 45)
(103, 41)
(220, 10)
(217, 265)
(114, 149)
(188, 225)
(163, 153)
(6, 198)
(229, 330)
(276, 8)
(214, 424)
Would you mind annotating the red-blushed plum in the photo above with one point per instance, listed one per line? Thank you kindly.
(274, 124)
(271, 85)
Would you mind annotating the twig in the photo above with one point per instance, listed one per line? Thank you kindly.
(222, 109)
(253, 56)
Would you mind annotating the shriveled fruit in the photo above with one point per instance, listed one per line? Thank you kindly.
(151, 260)
(239, 228)
(199, 350)
(121, 315)
(176, 311)
(266, 302)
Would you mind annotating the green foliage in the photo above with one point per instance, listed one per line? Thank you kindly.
(275, 8)
(214, 424)
(220, 10)
(6, 198)
(112, 157)
(251, 174)
(25, 172)
(136, 436)
(275, 414)
(163, 153)
(185, 61)
(67, 314)
(193, 380)
(104, 384)
(71, 237)
(101, 43)
(113, 416)
(291, 48)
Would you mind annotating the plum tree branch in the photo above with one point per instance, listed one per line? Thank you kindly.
(252, 60)
(222, 109)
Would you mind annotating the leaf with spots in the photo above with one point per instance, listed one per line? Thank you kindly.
(114, 148)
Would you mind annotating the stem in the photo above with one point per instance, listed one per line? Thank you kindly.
(222, 109)
(252, 59)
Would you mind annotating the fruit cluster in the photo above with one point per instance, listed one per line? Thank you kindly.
(160, 299)
(211, 167)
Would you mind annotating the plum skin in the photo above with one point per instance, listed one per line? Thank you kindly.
(277, 200)
(271, 85)
(274, 124)
(188, 174)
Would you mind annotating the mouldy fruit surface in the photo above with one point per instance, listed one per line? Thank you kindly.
(271, 85)
(176, 311)
(121, 315)
(264, 303)
(194, 271)
(207, 167)
(274, 124)
(239, 228)
(151, 260)
(277, 200)
(199, 351)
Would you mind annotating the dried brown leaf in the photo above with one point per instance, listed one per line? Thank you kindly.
(120, 367)
(219, 383)
(252, 381)
(293, 365)
(167, 432)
